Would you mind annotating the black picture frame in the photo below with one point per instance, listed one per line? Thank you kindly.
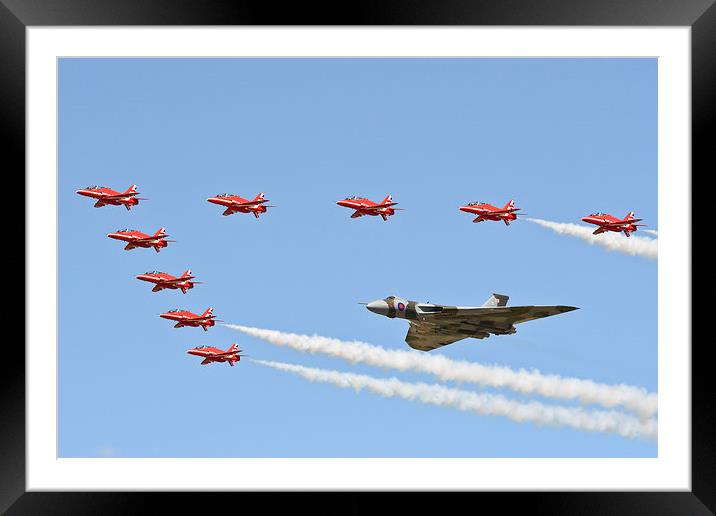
(16, 15)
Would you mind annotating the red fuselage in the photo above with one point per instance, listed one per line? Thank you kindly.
(607, 222)
(187, 318)
(211, 354)
(136, 238)
(107, 196)
(485, 211)
(236, 204)
(363, 206)
(163, 280)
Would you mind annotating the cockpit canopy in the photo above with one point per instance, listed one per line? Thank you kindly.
(226, 195)
(475, 203)
(155, 272)
(597, 214)
(125, 230)
(175, 311)
(94, 187)
(353, 198)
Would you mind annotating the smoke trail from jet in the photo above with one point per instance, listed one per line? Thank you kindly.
(533, 382)
(479, 403)
(634, 246)
(651, 231)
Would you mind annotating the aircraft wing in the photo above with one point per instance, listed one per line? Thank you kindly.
(121, 196)
(177, 280)
(425, 337)
(497, 316)
(503, 212)
(247, 204)
(621, 223)
(378, 206)
(206, 361)
(150, 238)
(451, 324)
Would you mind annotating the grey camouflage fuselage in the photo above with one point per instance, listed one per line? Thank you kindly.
(433, 326)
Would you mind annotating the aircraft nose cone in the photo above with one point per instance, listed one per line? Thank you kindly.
(112, 235)
(379, 307)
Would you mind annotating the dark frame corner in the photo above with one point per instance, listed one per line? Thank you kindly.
(700, 15)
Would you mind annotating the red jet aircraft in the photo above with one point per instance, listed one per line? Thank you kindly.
(187, 318)
(486, 211)
(236, 204)
(608, 222)
(163, 280)
(107, 196)
(363, 206)
(212, 354)
(136, 238)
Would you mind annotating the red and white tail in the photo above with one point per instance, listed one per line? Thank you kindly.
(260, 197)
(234, 347)
(388, 199)
(209, 312)
(132, 189)
(186, 273)
(509, 205)
(629, 216)
(161, 232)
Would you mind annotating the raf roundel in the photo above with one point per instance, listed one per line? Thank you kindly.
(401, 307)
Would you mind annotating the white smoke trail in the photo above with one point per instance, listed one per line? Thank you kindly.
(484, 404)
(651, 231)
(634, 246)
(632, 398)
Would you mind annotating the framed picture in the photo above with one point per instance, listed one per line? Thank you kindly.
(545, 341)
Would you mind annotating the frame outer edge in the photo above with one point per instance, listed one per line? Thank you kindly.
(12, 132)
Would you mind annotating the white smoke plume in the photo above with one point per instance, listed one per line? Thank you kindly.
(634, 246)
(651, 231)
(533, 382)
(483, 404)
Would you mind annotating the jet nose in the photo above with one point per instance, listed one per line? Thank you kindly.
(82, 192)
(379, 307)
(214, 200)
(113, 235)
(345, 204)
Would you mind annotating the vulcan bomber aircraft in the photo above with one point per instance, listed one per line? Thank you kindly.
(434, 326)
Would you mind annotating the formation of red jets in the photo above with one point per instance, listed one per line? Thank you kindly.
(361, 206)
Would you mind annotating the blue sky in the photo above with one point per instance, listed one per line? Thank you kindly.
(563, 137)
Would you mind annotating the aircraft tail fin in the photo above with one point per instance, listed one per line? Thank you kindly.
(234, 347)
(260, 197)
(509, 205)
(132, 189)
(629, 216)
(209, 311)
(186, 273)
(161, 232)
(388, 198)
(496, 300)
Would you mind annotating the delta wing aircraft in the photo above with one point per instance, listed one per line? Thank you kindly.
(608, 222)
(105, 196)
(363, 206)
(235, 204)
(212, 354)
(434, 326)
